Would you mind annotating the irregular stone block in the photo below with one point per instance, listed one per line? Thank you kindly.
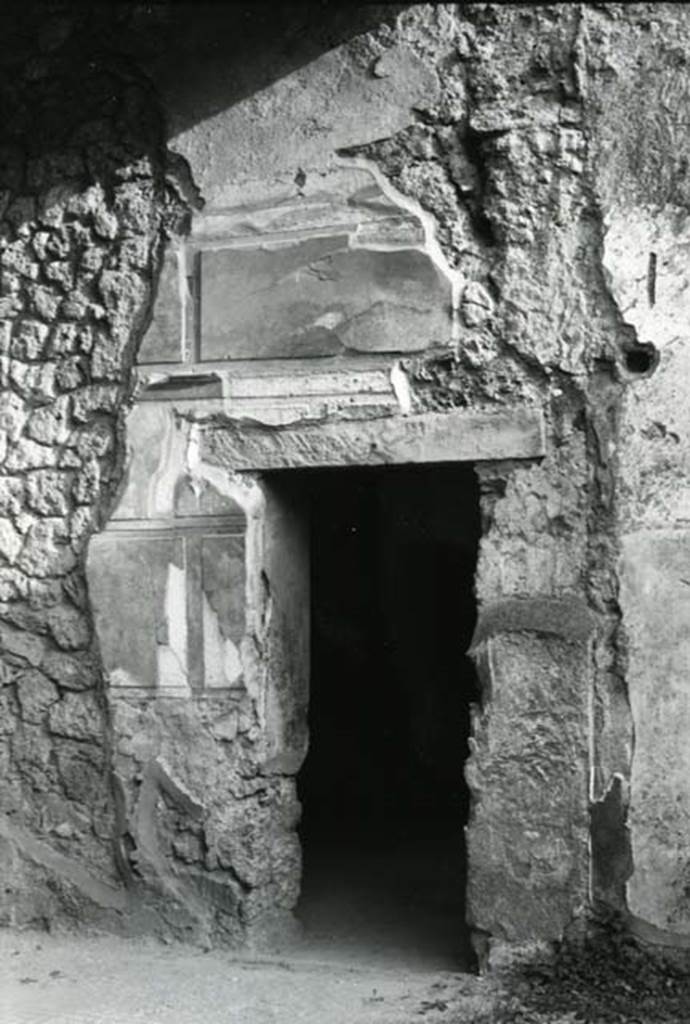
(70, 627)
(243, 843)
(80, 768)
(30, 338)
(77, 716)
(528, 771)
(71, 671)
(44, 552)
(35, 694)
(8, 721)
(10, 541)
(49, 425)
(320, 297)
(13, 413)
(477, 305)
(28, 454)
(226, 728)
(38, 381)
(47, 492)
(93, 399)
(25, 646)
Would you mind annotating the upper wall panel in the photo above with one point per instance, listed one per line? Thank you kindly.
(342, 272)
(319, 297)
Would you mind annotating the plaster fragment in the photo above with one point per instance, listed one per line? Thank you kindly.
(401, 386)
(221, 656)
(432, 246)
(172, 657)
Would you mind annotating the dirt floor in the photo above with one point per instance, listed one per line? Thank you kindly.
(112, 981)
(104, 980)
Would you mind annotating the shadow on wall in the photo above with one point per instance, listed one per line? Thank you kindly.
(83, 205)
(205, 58)
(202, 58)
(85, 211)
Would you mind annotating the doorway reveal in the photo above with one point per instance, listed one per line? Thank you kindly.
(393, 554)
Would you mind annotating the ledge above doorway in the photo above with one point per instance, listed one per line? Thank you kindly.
(459, 435)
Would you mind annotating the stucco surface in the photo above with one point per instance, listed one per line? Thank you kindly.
(256, 147)
(641, 183)
(655, 596)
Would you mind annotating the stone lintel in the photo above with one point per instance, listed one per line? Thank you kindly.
(460, 435)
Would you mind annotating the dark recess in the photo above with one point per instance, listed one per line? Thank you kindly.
(393, 611)
(641, 359)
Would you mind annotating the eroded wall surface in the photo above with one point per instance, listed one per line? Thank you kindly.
(642, 187)
(413, 233)
(83, 212)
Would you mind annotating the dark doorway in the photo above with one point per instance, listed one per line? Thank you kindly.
(393, 555)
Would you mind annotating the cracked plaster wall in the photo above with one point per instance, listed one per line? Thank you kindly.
(494, 127)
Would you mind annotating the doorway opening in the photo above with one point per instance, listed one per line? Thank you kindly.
(393, 557)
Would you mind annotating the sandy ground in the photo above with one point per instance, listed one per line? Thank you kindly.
(105, 980)
(46, 979)
(383, 943)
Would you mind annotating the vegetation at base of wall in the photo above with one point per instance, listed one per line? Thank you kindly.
(609, 979)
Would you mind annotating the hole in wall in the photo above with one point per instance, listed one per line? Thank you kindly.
(393, 555)
(641, 359)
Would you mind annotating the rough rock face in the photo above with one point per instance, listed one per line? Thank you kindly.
(500, 175)
(83, 213)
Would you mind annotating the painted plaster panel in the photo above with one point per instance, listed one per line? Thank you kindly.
(343, 198)
(164, 339)
(198, 498)
(138, 595)
(223, 601)
(655, 599)
(319, 297)
(184, 623)
(155, 463)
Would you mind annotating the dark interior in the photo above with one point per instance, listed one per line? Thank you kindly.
(393, 554)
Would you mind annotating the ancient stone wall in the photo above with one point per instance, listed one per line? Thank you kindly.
(516, 194)
(84, 209)
(637, 102)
